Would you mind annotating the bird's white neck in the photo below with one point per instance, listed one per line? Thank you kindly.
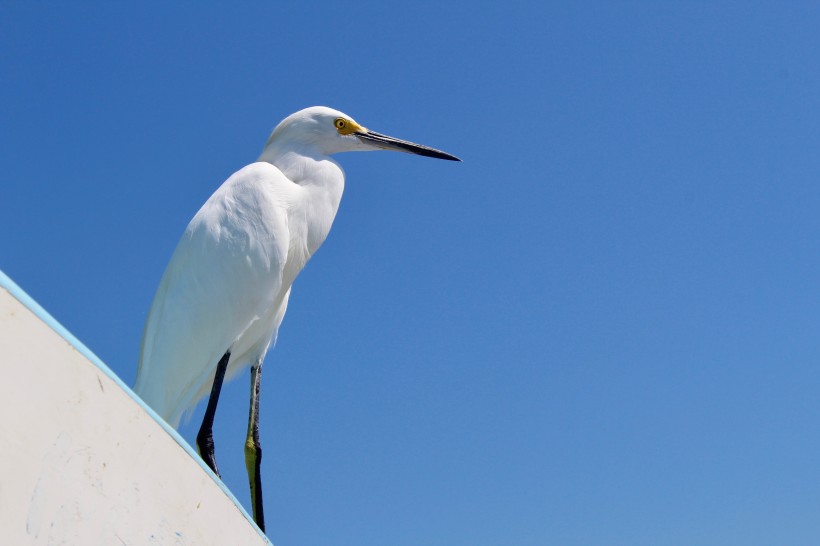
(322, 181)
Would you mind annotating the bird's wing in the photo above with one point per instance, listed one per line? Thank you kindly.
(225, 275)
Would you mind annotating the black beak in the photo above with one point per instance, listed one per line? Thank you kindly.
(389, 143)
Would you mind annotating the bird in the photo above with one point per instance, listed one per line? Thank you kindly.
(226, 288)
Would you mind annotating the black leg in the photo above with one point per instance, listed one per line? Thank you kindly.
(205, 437)
(253, 450)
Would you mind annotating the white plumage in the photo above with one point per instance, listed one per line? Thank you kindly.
(226, 288)
(228, 281)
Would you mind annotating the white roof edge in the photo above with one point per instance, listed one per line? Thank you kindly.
(20, 295)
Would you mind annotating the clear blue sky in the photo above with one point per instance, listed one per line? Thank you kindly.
(603, 327)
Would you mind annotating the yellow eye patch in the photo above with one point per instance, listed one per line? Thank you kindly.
(347, 126)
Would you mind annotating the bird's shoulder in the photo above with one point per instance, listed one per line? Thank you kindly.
(256, 199)
(257, 181)
(244, 224)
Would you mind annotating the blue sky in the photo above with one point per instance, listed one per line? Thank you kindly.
(600, 328)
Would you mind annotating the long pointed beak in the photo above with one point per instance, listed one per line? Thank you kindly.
(389, 143)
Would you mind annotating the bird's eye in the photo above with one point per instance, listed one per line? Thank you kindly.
(340, 123)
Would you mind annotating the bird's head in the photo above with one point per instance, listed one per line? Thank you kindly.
(328, 131)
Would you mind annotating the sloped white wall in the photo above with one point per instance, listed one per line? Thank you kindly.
(83, 463)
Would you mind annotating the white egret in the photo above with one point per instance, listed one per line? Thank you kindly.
(225, 291)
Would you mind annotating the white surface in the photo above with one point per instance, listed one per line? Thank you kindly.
(83, 462)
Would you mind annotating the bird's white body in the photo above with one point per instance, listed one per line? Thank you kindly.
(228, 281)
(225, 292)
